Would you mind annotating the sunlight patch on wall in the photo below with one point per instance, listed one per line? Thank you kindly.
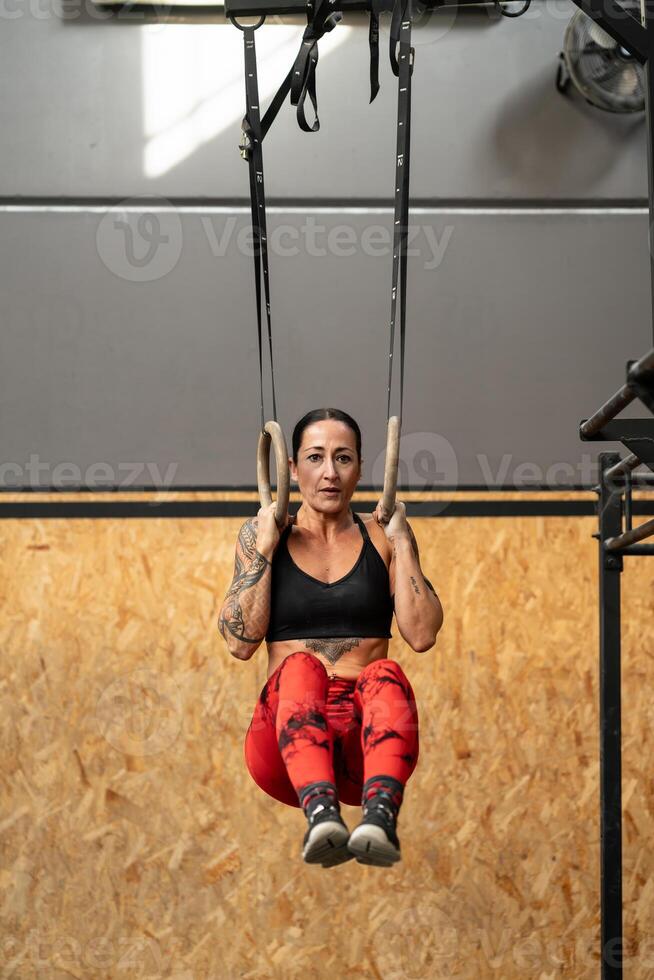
(194, 87)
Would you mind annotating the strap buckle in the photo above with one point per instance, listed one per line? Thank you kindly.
(245, 146)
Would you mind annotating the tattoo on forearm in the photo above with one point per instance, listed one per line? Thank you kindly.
(333, 650)
(247, 538)
(249, 568)
(232, 622)
(249, 576)
(414, 545)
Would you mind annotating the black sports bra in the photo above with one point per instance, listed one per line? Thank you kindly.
(303, 607)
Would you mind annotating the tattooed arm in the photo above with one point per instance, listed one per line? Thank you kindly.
(418, 611)
(245, 612)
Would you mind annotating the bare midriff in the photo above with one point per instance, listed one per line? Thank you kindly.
(342, 657)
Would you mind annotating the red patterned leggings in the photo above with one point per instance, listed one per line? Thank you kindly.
(307, 726)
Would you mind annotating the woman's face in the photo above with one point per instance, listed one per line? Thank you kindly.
(327, 458)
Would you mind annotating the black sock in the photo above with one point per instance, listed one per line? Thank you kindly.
(384, 789)
(318, 792)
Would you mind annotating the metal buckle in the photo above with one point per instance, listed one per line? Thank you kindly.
(245, 146)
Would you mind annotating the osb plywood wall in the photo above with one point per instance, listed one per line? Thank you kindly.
(134, 843)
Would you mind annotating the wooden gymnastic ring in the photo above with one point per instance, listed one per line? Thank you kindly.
(390, 469)
(272, 432)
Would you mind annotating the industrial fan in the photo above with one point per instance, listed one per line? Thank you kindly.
(606, 73)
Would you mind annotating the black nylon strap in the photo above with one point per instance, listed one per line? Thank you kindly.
(376, 7)
(303, 73)
(252, 151)
(300, 81)
(401, 32)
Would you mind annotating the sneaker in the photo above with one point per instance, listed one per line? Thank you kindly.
(375, 840)
(325, 841)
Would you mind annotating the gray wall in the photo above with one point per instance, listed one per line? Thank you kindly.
(128, 342)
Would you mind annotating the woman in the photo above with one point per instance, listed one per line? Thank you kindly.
(336, 720)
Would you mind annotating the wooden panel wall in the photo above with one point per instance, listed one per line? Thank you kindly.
(134, 843)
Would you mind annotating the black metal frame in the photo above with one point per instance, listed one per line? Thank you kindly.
(607, 13)
(258, 8)
(615, 541)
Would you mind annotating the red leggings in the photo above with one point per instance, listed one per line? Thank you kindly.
(307, 726)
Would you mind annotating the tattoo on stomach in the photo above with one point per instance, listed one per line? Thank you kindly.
(333, 650)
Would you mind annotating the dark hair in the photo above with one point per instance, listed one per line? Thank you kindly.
(320, 415)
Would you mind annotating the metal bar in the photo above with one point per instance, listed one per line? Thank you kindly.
(639, 549)
(623, 468)
(607, 13)
(641, 373)
(639, 533)
(639, 481)
(626, 430)
(610, 732)
(628, 525)
(617, 22)
(255, 8)
(636, 435)
(607, 412)
(643, 366)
